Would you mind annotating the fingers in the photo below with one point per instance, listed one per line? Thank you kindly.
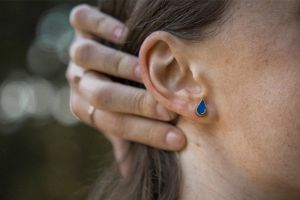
(88, 19)
(100, 92)
(97, 90)
(146, 131)
(94, 56)
(91, 55)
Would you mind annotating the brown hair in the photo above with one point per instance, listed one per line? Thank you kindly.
(154, 174)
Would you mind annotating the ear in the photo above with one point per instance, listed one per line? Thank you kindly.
(172, 76)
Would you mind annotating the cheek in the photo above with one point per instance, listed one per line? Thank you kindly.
(258, 98)
(270, 112)
(269, 127)
(264, 111)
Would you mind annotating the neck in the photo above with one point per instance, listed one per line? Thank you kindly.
(208, 173)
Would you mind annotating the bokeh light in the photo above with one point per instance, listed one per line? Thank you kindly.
(46, 153)
(42, 62)
(54, 35)
(53, 25)
(36, 99)
(41, 96)
(15, 97)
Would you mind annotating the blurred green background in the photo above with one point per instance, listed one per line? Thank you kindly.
(45, 153)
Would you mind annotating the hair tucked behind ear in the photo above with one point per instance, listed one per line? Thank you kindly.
(154, 174)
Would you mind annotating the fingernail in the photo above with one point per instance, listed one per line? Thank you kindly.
(118, 32)
(162, 111)
(174, 139)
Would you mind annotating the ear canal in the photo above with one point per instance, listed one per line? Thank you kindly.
(201, 110)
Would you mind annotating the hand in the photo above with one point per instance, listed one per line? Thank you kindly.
(124, 113)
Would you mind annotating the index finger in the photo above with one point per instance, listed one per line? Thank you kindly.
(91, 55)
(87, 19)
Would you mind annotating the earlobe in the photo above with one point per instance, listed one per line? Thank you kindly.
(168, 73)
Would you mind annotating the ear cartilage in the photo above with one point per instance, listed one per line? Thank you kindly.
(201, 109)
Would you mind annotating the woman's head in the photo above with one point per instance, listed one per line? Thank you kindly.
(243, 58)
(249, 75)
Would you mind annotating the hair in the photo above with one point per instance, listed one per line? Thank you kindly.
(154, 174)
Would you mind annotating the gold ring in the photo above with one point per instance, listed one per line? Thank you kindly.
(91, 112)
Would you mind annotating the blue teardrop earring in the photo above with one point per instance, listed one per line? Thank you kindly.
(201, 109)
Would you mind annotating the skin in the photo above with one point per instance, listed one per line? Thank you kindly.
(143, 119)
(248, 145)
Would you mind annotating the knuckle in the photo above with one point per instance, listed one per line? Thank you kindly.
(144, 104)
(102, 96)
(105, 59)
(80, 52)
(78, 13)
(100, 23)
(139, 102)
(118, 63)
